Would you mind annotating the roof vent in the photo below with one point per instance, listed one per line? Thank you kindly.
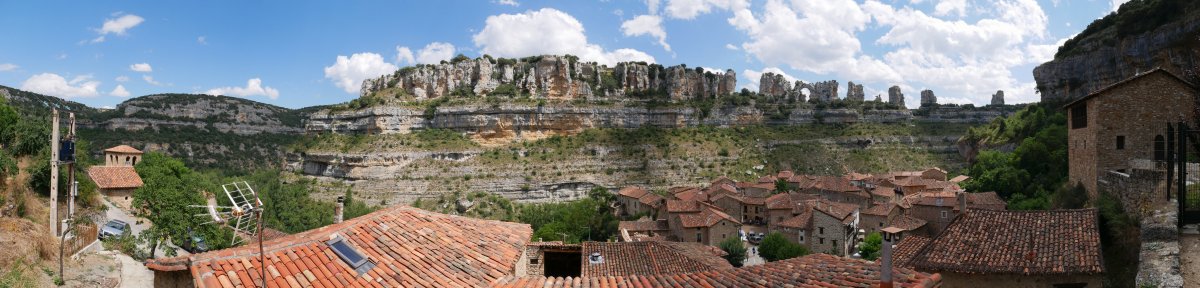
(595, 258)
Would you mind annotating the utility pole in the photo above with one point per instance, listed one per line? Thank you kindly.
(74, 188)
(54, 225)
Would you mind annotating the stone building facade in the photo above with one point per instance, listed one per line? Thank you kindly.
(1125, 121)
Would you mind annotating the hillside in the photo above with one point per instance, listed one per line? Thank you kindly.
(1140, 36)
(206, 131)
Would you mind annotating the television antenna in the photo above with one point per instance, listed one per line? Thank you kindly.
(244, 215)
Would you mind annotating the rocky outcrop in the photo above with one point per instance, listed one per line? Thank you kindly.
(927, 98)
(220, 113)
(998, 98)
(854, 92)
(1106, 61)
(895, 96)
(548, 77)
(825, 91)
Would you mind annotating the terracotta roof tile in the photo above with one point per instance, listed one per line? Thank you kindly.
(415, 247)
(835, 184)
(779, 201)
(644, 225)
(652, 200)
(683, 206)
(908, 248)
(118, 177)
(707, 217)
(960, 178)
(817, 270)
(649, 258)
(908, 223)
(634, 192)
(880, 209)
(1053, 242)
(985, 200)
(124, 149)
(802, 221)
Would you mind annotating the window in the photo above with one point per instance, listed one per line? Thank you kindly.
(351, 256)
(822, 240)
(1120, 142)
(533, 261)
(945, 214)
(880, 224)
(834, 243)
(1160, 148)
(1079, 116)
(698, 237)
(821, 230)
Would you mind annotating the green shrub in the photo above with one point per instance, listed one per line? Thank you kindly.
(735, 251)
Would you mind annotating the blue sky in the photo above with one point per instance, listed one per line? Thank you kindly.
(300, 53)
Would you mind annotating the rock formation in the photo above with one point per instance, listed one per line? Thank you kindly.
(878, 98)
(550, 77)
(895, 96)
(824, 91)
(773, 85)
(998, 98)
(927, 97)
(854, 92)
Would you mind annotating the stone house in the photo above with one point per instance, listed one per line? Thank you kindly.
(744, 208)
(797, 228)
(709, 226)
(937, 209)
(879, 216)
(1124, 121)
(839, 189)
(117, 179)
(630, 200)
(1058, 248)
(834, 227)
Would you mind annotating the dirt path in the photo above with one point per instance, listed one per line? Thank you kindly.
(1189, 249)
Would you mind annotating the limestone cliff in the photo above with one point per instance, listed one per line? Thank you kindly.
(548, 77)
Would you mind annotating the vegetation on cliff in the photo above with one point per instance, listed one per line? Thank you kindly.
(1034, 174)
(1132, 18)
(588, 219)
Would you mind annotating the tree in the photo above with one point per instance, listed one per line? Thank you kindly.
(777, 247)
(869, 249)
(782, 186)
(735, 251)
(8, 122)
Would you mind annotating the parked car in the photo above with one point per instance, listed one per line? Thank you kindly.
(113, 228)
(195, 242)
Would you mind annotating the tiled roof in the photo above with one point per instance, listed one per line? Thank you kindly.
(1127, 80)
(644, 225)
(754, 200)
(651, 199)
(908, 223)
(803, 181)
(816, 270)
(838, 210)
(785, 174)
(767, 179)
(801, 221)
(985, 200)
(881, 209)
(409, 247)
(1053, 242)
(908, 248)
(649, 258)
(706, 218)
(836, 184)
(634, 192)
(960, 178)
(115, 177)
(124, 149)
(683, 206)
(857, 176)
(884, 191)
(779, 201)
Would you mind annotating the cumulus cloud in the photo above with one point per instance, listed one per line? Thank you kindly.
(119, 91)
(55, 85)
(432, 54)
(150, 80)
(546, 31)
(253, 87)
(349, 72)
(117, 26)
(8, 67)
(122, 78)
(689, 9)
(141, 67)
(647, 25)
(730, 46)
(513, 3)
(404, 55)
(202, 40)
(945, 7)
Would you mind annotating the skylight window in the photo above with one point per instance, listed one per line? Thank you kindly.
(351, 256)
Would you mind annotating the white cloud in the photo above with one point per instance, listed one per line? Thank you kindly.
(349, 72)
(652, 6)
(513, 3)
(8, 67)
(730, 46)
(55, 85)
(122, 78)
(647, 25)
(404, 55)
(141, 67)
(945, 7)
(202, 40)
(752, 77)
(546, 31)
(253, 87)
(689, 9)
(150, 80)
(117, 26)
(119, 91)
(1116, 4)
(435, 52)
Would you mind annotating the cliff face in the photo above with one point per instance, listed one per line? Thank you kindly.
(549, 77)
(1106, 61)
(220, 113)
(776, 85)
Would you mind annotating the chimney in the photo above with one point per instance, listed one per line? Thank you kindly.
(337, 210)
(962, 202)
(891, 235)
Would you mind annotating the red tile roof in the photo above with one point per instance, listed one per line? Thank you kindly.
(884, 191)
(124, 149)
(410, 247)
(960, 178)
(840, 211)
(908, 223)
(1054, 242)
(683, 206)
(985, 200)
(880, 209)
(779, 201)
(908, 248)
(802, 221)
(649, 258)
(115, 177)
(651, 199)
(634, 192)
(835, 184)
(644, 225)
(785, 174)
(707, 217)
(816, 270)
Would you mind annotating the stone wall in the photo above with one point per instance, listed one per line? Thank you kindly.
(1139, 190)
(1142, 194)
